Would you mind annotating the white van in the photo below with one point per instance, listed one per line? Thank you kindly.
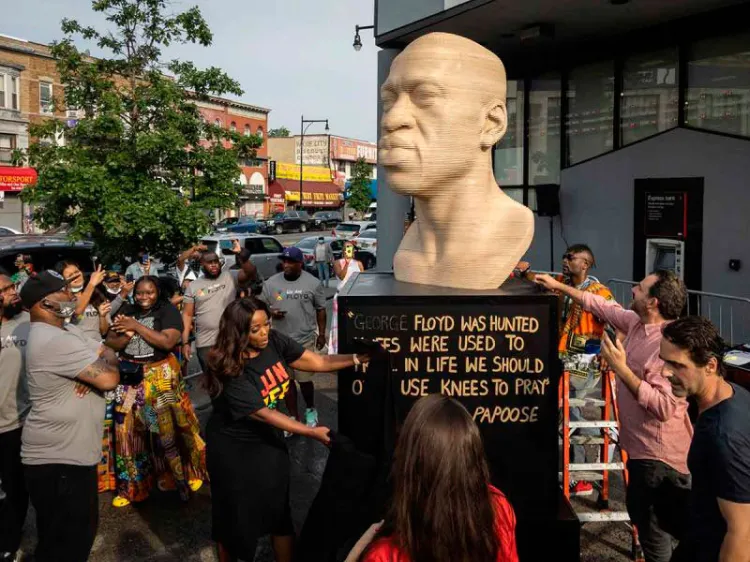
(371, 212)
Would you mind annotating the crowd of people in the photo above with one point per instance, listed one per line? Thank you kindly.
(93, 399)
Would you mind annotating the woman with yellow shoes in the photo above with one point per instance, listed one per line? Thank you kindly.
(157, 437)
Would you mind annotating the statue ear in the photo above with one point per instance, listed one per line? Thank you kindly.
(495, 125)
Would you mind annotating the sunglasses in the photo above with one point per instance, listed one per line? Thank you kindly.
(571, 257)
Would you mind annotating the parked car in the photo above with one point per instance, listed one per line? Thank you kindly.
(263, 226)
(45, 251)
(265, 251)
(8, 231)
(246, 225)
(225, 223)
(351, 229)
(289, 221)
(368, 240)
(326, 219)
(371, 212)
(307, 245)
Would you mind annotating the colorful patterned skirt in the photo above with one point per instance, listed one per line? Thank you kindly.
(106, 468)
(157, 435)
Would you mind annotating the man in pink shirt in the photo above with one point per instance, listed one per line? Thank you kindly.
(655, 429)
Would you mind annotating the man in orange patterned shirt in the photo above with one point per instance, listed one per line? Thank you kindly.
(578, 326)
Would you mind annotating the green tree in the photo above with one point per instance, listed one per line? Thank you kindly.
(140, 167)
(360, 194)
(280, 132)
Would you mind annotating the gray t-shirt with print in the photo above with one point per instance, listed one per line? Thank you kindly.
(88, 322)
(210, 297)
(14, 393)
(61, 428)
(300, 299)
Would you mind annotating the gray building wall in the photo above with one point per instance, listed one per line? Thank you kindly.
(392, 208)
(596, 201)
(11, 212)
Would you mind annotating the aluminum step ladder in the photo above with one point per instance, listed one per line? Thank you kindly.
(608, 426)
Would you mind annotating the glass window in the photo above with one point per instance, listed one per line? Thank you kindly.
(718, 92)
(217, 122)
(544, 130)
(649, 100)
(45, 97)
(2, 90)
(271, 246)
(590, 111)
(233, 127)
(509, 151)
(7, 145)
(247, 130)
(14, 92)
(260, 132)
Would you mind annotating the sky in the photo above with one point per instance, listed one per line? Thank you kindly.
(294, 57)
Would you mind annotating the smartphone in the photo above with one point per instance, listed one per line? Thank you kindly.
(144, 259)
(349, 252)
(129, 278)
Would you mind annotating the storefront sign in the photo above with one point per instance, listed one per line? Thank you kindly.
(316, 150)
(15, 179)
(666, 213)
(352, 150)
(286, 171)
(315, 198)
(271, 171)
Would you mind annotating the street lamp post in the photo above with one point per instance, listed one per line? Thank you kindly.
(302, 129)
(357, 39)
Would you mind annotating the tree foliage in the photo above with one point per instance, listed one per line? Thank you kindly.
(279, 132)
(360, 194)
(139, 167)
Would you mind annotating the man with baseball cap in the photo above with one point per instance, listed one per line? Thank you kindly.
(298, 308)
(61, 441)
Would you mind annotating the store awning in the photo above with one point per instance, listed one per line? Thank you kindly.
(373, 189)
(15, 179)
(314, 194)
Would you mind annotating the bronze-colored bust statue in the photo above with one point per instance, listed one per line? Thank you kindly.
(443, 112)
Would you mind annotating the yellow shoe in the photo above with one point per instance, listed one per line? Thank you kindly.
(195, 484)
(119, 501)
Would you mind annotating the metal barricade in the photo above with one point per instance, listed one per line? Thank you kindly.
(730, 314)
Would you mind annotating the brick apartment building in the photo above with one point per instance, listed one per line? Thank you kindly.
(29, 83)
(247, 120)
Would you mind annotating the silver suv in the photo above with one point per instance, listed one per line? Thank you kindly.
(265, 251)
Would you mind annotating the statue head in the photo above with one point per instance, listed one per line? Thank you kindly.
(443, 111)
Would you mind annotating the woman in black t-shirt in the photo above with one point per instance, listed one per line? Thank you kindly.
(156, 429)
(248, 376)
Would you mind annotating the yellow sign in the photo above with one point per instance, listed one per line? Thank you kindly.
(294, 196)
(309, 173)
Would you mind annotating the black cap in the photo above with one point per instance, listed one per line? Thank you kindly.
(39, 285)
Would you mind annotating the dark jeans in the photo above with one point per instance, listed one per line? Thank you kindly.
(657, 500)
(67, 510)
(13, 508)
(202, 353)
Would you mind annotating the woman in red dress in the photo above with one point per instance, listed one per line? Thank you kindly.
(443, 509)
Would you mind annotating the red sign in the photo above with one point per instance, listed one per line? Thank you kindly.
(15, 179)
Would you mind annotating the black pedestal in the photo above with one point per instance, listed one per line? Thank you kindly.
(495, 352)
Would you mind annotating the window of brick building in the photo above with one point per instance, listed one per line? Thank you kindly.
(7, 145)
(247, 130)
(45, 98)
(233, 127)
(14, 92)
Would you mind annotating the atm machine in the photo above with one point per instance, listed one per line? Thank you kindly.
(666, 254)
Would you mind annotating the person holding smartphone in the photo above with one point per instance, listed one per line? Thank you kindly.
(344, 269)
(141, 266)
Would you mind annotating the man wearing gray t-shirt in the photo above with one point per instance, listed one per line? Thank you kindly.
(207, 297)
(14, 406)
(298, 308)
(62, 436)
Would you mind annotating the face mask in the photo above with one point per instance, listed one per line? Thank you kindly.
(62, 309)
(114, 291)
